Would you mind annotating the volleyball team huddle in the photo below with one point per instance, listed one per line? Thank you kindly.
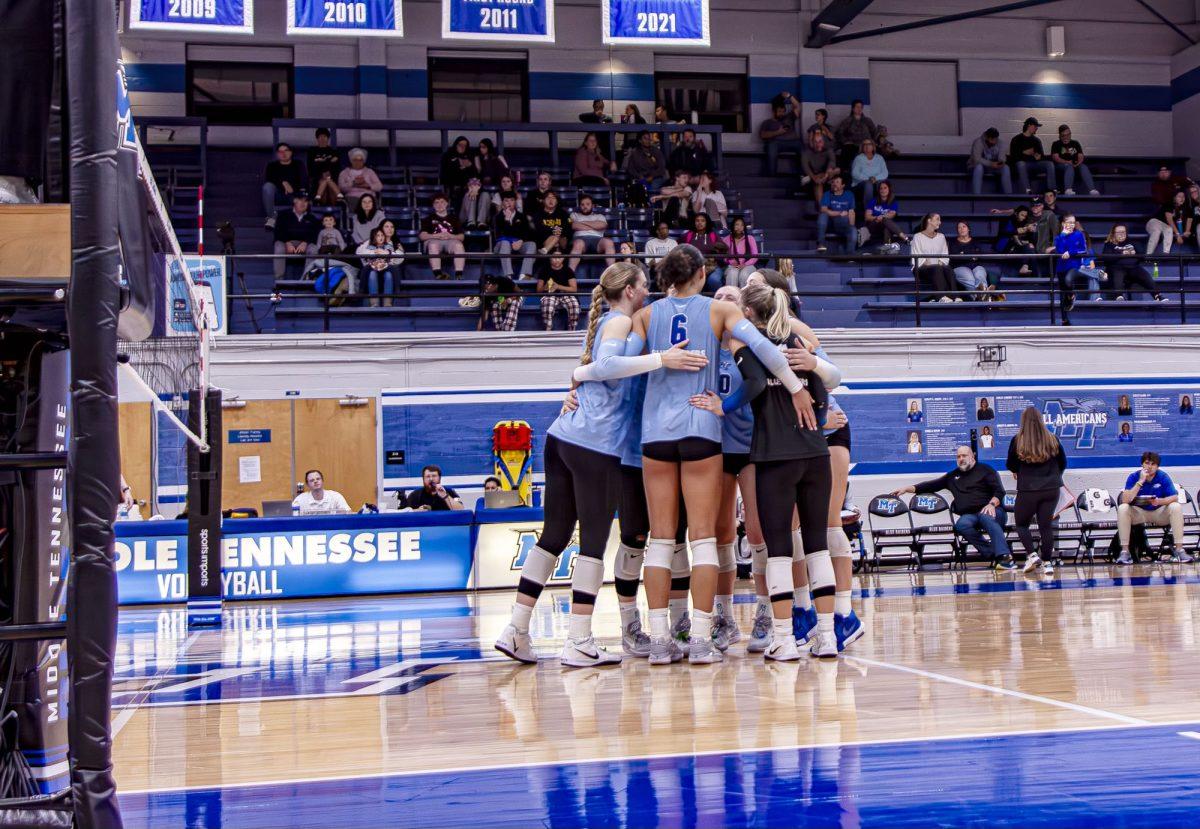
(678, 405)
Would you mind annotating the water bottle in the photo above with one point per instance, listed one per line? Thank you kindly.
(535, 495)
(295, 510)
(1155, 271)
(123, 512)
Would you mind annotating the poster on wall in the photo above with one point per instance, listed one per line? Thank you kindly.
(225, 16)
(654, 22)
(351, 18)
(523, 20)
(208, 274)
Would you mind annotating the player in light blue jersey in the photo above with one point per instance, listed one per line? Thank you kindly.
(582, 461)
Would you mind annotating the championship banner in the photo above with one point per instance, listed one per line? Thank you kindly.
(654, 22)
(505, 20)
(224, 16)
(351, 18)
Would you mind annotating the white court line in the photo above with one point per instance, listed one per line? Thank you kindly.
(129, 709)
(995, 689)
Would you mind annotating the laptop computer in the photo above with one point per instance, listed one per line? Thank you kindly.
(502, 499)
(277, 509)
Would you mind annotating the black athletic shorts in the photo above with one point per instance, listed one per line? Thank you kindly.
(681, 451)
(840, 438)
(735, 462)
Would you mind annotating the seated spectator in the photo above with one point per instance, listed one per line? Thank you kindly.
(538, 195)
(558, 284)
(1075, 264)
(837, 210)
(596, 116)
(743, 254)
(458, 166)
(971, 273)
(1124, 269)
(705, 239)
(708, 198)
(591, 167)
(930, 264)
(884, 144)
(324, 163)
(475, 210)
(1069, 159)
(1026, 155)
(551, 226)
(317, 500)
(675, 200)
(441, 232)
(330, 239)
(1185, 211)
(880, 219)
(376, 262)
(660, 244)
(662, 115)
(987, 159)
(501, 304)
(296, 232)
(1164, 187)
(395, 262)
(587, 229)
(511, 233)
(507, 185)
(432, 495)
(978, 502)
(818, 166)
(1018, 234)
(491, 484)
(631, 115)
(364, 218)
(778, 133)
(646, 166)
(691, 156)
(866, 172)
(1048, 226)
(821, 125)
(1150, 497)
(358, 179)
(1165, 224)
(283, 176)
(854, 129)
(492, 166)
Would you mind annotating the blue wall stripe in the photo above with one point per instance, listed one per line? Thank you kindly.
(1185, 86)
(408, 83)
(763, 89)
(585, 86)
(846, 90)
(1064, 96)
(372, 80)
(812, 88)
(326, 80)
(156, 77)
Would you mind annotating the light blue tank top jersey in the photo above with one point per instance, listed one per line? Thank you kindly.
(667, 415)
(600, 421)
(737, 427)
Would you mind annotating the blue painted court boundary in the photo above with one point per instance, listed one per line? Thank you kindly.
(1119, 777)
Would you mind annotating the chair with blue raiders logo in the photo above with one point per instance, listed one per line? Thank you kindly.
(1095, 521)
(931, 533)
(891, 528)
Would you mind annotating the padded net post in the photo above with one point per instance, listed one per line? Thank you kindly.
(204, 511)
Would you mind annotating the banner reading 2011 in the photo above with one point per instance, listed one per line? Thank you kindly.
(653, 22)
(227, 16)
(524, 20)
(353, 18)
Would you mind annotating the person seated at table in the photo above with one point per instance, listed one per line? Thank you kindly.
(318, 500)
(491, 484)
(432, 495)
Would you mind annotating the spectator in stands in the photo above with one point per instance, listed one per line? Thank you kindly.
(662, 115)
(324, 162)
(1025, 150)
(587, 230)
(1163, 226)
(1124, 269)
(1185, 212)
(491, 484)
(978, 498)
(558, 284)
(987, 159)
(1150, 497)
(295, 233)
(705, 239)
(675, 201)
(502, 305)
(432, 495)
(930, 264)
(283, 176)
(971, 273)
(475, 210)
(459, 165)
(778, 133)
(1069, 159)
(511, 233)
(854, 129)
(377, 264)
(358, 179)
(818, 166)
(1048, 227)
(866, 172)
(1164, 187)
(551, 226)
(743, 254)
(880, 220)
(837, 210)
(691, 156)
(330, 239)
(364, 218)
(1018, 234)
(596, 116)
(591, 167)
(492, 165)
(708, 198)
(395, 263)
(821, 125)
(507, 185)
(441, 232)
(627, 252)
(318, 500)
(645, 164)
(632, 115)
(1074, 265)
(660, 245)
(538, 195)
(884, 144)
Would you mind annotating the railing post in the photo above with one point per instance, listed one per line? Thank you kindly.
(553, 138)
(1182, 290)
(1054, 297)
(204, 153)
(917, 314)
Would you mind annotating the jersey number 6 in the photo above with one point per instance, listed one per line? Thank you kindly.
(678, 329)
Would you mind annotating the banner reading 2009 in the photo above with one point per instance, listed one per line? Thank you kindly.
(652, 22)
(353, 18)
(526, 20)
(227, 16)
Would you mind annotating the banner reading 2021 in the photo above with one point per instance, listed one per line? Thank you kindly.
(227, 16)
(353, 18)
(524, 20)
(652, 22)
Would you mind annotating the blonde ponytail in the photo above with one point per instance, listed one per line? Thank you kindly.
(613, 282)
(594, 313)
(779, 326)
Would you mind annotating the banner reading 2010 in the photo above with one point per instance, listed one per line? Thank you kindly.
(525, 20)
(352, 18)
(225, 16)
(653, 22)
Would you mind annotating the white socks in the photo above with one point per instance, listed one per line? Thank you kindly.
(701, 624)
(841, 602)
(581, 626)
(802, 598)
(679, 609)
(629, 613)
(660, 624)
(521, 614)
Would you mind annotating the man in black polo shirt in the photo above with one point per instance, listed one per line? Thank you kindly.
(432, 495)
(978, 495)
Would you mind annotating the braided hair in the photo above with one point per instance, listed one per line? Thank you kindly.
(613, 282)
